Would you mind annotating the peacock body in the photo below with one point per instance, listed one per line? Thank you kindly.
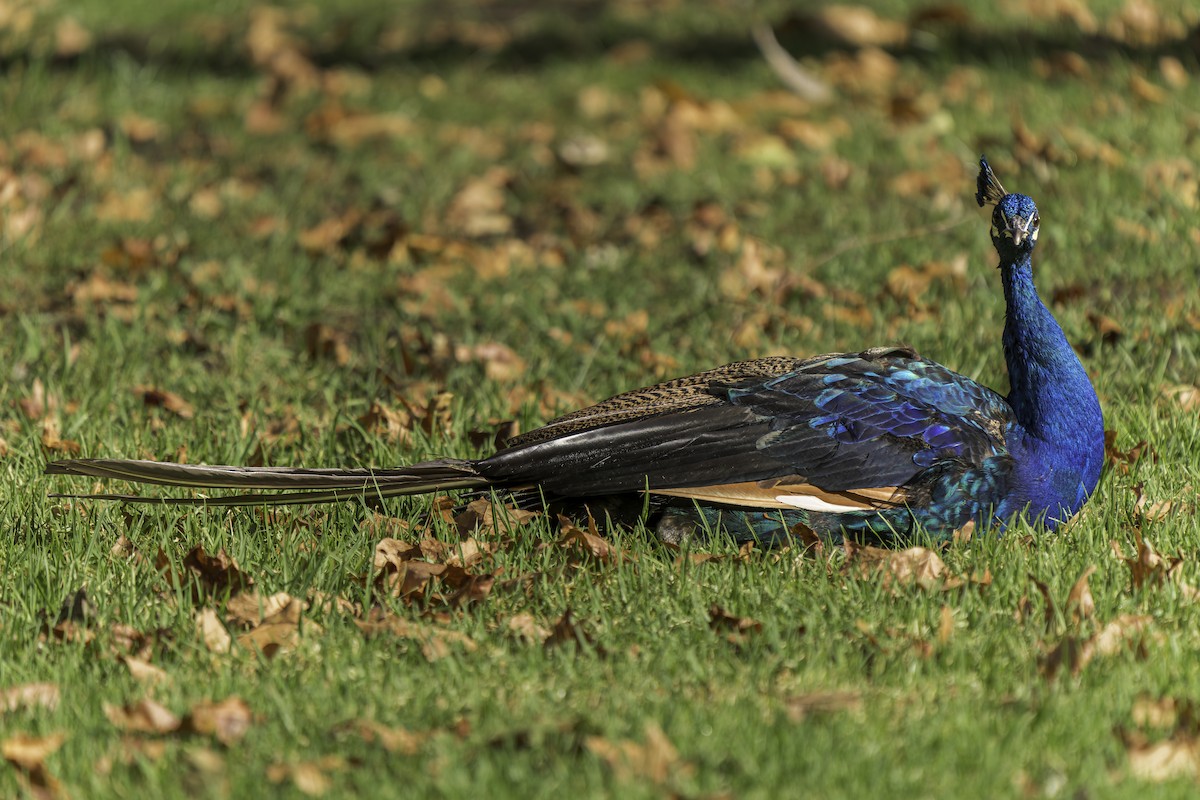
(877, 445)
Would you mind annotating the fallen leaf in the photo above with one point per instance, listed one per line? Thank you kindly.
(945, 625)
(435, 641)
(1118, 633)
(248, 609)
(143, 716)
(738, 629)
(162, 398)
(71, 39)
(588, 541)
(51, 440)
(1080, 604)
(328, 343)
(915, 566)
(206, 575)
(1161, 712)
(1125, 459)
(860, 26)
(143, 671)
(800, 707)
(655, 759)
(309, 777)
(567, 630)
(500, 362)
(29, 696)
(28, 752)
(212, 631)
(1146, 567)
(228, 721)
(1177, 757)
(1186, 396)
(393, 740)
(489, 517)
(1108, 329)
(527, 628)
(478, 207)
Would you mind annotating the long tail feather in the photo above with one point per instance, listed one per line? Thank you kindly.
(300, 485)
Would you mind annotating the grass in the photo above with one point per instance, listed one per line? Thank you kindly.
(150, 192)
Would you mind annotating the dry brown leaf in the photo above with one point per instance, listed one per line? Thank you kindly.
(395, 425)
(324, 342)
(500, 362)
(751, 273)
(1080, 604)
(212, 631)
(860, 26)
(71, 39)
(279, 632)
(228, 721)
(29, 752)
(527, 628)
(51, 440)
(737, 629)
(393, 740)
(351, 130)
(1118, 633)
(1149, 712)
(143, 671)
(478, 208)
(800, 707)
(144, 716)
(329, 232)
(248, 609)
(1071, 652)
(916, 566)
(1145, 90)
(1177, 757)
(309, 777)
(490, 518)
(1173, 72)
(945, 625)
(655, 759)
(205, 574)
(435, 641)
(391, 554)
(161, 398)
(588, 542)
(567, 630)
(1123, 460)
(1186, 396)
(1074, 652)
(1146, 567)
(29, 696)
(1107, 328)
(276, 51)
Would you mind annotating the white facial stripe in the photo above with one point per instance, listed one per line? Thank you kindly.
(1033, 235)
(809, 503)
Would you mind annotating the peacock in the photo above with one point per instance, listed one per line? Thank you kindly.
(878, 446)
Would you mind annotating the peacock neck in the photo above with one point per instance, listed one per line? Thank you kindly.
(1051, 396)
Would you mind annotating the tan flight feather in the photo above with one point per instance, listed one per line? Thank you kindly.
(765, 494)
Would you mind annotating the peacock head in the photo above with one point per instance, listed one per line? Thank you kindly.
(1015, 217)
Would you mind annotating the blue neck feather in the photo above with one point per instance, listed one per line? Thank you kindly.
(1059, 444)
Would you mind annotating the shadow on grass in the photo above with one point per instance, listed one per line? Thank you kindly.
(528, 34)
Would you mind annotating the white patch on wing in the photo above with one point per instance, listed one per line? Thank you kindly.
(810, 503)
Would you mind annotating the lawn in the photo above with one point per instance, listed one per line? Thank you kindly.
(361, 236)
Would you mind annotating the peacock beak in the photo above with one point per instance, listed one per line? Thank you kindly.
(1019, 229)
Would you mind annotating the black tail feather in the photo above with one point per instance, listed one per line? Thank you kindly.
(299, 485)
